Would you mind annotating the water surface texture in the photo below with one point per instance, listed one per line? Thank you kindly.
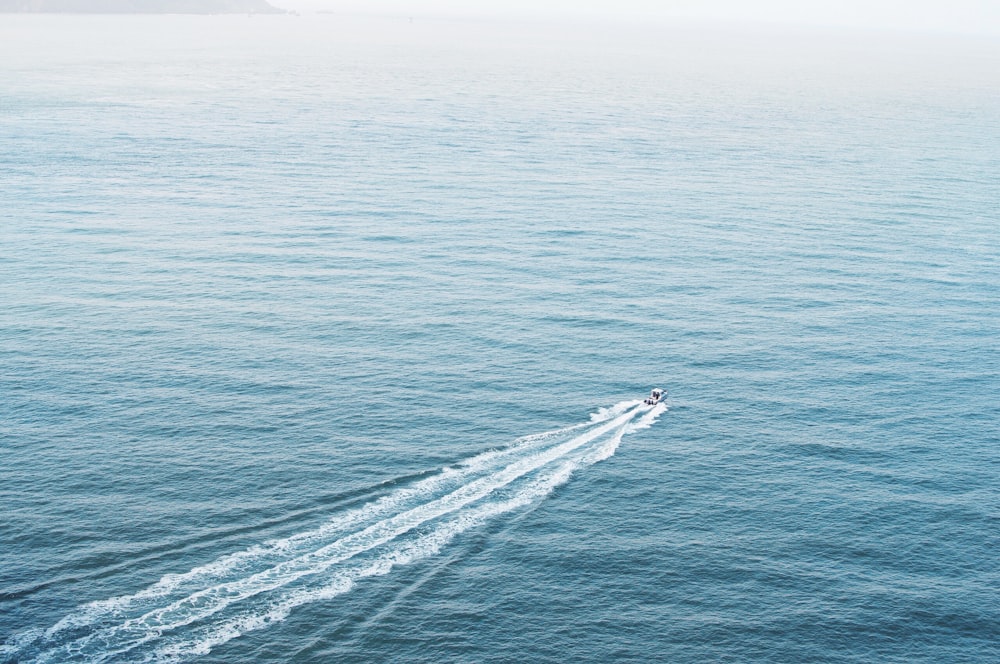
(324, 339)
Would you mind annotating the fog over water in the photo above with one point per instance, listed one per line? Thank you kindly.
(962, 16)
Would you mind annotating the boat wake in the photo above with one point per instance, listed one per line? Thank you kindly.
(186, 615)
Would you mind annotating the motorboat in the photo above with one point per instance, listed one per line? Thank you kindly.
(655, 397)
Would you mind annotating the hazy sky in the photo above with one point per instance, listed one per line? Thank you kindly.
(981, 16)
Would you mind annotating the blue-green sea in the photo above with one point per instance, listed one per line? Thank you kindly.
(324, 338)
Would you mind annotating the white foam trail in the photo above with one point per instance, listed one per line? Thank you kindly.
(97, 611)
(426, 546)
(408, 524)
(648, 419)
(605, 414)
(209, 601)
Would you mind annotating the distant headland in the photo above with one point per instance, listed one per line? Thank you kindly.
(139, 7)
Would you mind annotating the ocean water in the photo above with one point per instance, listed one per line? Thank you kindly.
(323, 339)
